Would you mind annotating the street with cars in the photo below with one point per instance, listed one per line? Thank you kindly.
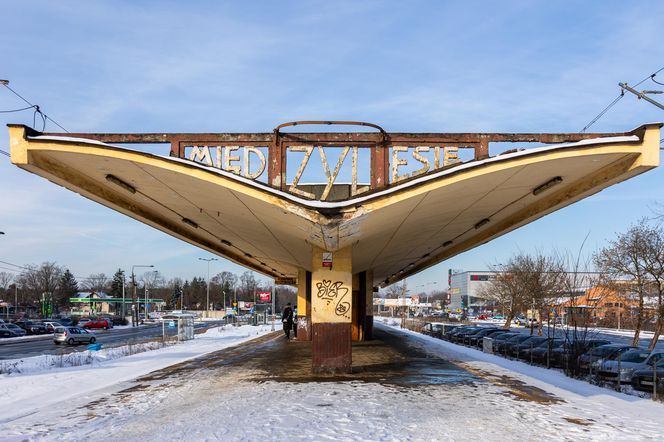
(60, 336)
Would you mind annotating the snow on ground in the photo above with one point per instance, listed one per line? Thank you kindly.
(23, 393)
(228, 402)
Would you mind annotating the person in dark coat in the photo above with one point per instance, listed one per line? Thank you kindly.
(287, 319)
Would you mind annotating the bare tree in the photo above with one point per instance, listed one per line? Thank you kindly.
(40, 282)
(248, 285)
(96, 282)
(654, 267)
(398, 290)
(6, 280)
(507, 289)
(626, 257)
(152, 279)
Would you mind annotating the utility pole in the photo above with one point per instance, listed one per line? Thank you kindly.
(207, 303)
(642, 94)
(135, 317)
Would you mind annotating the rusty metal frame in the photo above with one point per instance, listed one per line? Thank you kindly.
(277, 143)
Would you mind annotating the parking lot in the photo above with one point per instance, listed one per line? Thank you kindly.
(591, 355)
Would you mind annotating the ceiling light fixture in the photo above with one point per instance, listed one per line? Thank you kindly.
(190, 223)
(546, 186)
(482, 223)
(118, 182)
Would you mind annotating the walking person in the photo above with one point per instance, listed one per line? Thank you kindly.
(287, 319)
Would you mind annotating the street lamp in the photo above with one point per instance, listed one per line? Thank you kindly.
(207, 304)
(134, 318)
(145, 303)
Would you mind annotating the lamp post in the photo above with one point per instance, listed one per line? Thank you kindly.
(145, 303)
(134, 317)
(207, 303)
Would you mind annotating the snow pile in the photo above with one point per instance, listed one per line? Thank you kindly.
(42, 363)
(76, 359)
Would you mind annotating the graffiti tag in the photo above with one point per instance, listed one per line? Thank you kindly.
(334, 292)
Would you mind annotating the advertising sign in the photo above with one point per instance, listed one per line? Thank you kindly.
(264, 296)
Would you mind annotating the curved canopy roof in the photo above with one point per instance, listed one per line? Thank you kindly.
(395, 232)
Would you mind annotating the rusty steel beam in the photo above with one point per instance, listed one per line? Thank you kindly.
(335, 137)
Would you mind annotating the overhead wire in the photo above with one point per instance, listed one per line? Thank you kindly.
(15, 110)
(38, 111)
(617, 99)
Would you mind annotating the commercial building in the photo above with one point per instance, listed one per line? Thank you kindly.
(466, 291)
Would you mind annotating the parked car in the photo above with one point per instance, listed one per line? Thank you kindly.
(588, 360)
(18, 331)
(539, 354)
(563, 356)
(458, 337)
(495, 332)
(73, 335)
(4, 333)
(98, 323)
(80, 322)
(518, 350)
(499, 341)
(622, 369)
(63, 321)
(51, 326)
(452, 334)
(434, 329)
(504, 347)
(474, 338)
(644, 378)
(495, 335)
(32, 328)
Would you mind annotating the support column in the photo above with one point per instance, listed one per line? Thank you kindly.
(369, 308)
(359, 306)
(331, 312)
(303, 305)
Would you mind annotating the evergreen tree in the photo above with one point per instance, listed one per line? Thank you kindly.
(116, 284)
(67, 287)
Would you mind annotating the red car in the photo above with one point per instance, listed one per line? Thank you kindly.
(98, 323)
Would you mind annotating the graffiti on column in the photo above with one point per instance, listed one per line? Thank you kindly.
(334, 292)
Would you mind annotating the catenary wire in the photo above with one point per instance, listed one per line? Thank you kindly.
(16, 110)
(617, 99)
(37, 110)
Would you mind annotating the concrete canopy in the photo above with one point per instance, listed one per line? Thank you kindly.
(395, 232)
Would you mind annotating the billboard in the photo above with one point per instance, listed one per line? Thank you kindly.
(264, 296)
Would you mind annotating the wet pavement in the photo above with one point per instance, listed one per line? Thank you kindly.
(386, 359)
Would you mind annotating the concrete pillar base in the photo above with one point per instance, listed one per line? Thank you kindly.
(331, 348)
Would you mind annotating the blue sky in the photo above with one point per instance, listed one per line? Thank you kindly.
(202, 66)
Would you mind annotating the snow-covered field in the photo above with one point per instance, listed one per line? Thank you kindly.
(505, 401)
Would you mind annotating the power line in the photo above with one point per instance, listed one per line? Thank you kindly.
(30, 268)
(606, 109)
(5, 153)
(617, 99)
(15, 110)
(37, 110)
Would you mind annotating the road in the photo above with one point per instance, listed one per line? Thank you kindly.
(11, 349)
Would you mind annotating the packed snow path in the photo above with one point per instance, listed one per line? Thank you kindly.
(404, 387)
